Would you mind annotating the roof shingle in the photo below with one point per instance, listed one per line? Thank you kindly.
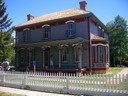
(55, 15)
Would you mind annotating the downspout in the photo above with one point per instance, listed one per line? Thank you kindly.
(89, 46)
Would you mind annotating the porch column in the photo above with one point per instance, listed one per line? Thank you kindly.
(17, 58)
(30, 56)
(43, 49)
(80, 56)
(59, 56)
(29, 49)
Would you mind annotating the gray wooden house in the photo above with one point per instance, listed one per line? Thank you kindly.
(73, 40)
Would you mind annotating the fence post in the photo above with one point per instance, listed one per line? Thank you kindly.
(127, 82)
(67, 82)
(3, 78)
(24, 81)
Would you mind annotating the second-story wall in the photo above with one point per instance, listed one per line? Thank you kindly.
(57, 32)
(96, 30)
(93, 29)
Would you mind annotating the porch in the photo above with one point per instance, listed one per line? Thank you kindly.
(68, 55)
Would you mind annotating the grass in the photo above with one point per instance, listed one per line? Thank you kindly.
(9, 94)
(115, 70)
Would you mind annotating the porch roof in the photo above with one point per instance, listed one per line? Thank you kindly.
(55, 43)
(98, 38)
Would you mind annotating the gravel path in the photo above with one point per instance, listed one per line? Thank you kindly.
(28, 92)
(124, 71)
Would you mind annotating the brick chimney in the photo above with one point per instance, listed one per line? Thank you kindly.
(30, 17)
(83, 5)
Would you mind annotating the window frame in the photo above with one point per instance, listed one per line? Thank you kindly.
(64, 55)
(46, 31)
(100, 54)
(26, 35)
(70, 28)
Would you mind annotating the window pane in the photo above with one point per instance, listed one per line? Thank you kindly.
(70, 29)
(46, 32)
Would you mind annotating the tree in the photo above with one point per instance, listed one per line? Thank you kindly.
(6, 38)
(118, 35)
(4, 21)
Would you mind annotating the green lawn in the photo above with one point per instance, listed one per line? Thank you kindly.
(115, 70)
(9, 94)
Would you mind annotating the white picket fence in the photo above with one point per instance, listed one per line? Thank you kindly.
(98, 84)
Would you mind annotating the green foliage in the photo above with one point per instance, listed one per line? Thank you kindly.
(118, 39)
(6, 45)
(6, 38)
(4, 21)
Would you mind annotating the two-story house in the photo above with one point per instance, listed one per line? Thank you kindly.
(73, 40)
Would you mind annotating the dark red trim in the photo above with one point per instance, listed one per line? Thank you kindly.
(96, 54)
(39, 26)
(105, 54)
(66, 70)
(94, 59)
(88, 29)
(96, 42)
(61, 22)
(51, 24)
(53, 70)
(94, 22)
(42, 56)
(19, 30)
(88, 26)
(79, 19)
(31, 28)
(100, 69)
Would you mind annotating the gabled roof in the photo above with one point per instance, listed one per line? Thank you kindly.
(55, 15)
(98, 38)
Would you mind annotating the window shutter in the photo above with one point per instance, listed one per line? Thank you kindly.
(29, 36)
(66, 31)
(49, 32)
(74, 28)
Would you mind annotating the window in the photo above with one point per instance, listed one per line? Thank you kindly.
(26, 36)
(100, 32)
(76, 54)
(64, 54)
(70, 29)
(100, 54)
(46, 32)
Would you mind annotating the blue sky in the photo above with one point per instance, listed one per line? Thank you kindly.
(105, 10)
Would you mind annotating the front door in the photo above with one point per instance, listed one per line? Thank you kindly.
(47, 57)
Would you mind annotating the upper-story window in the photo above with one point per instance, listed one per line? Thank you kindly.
(70, 28)
(100, 32)
(46, 31)
(26, 35)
